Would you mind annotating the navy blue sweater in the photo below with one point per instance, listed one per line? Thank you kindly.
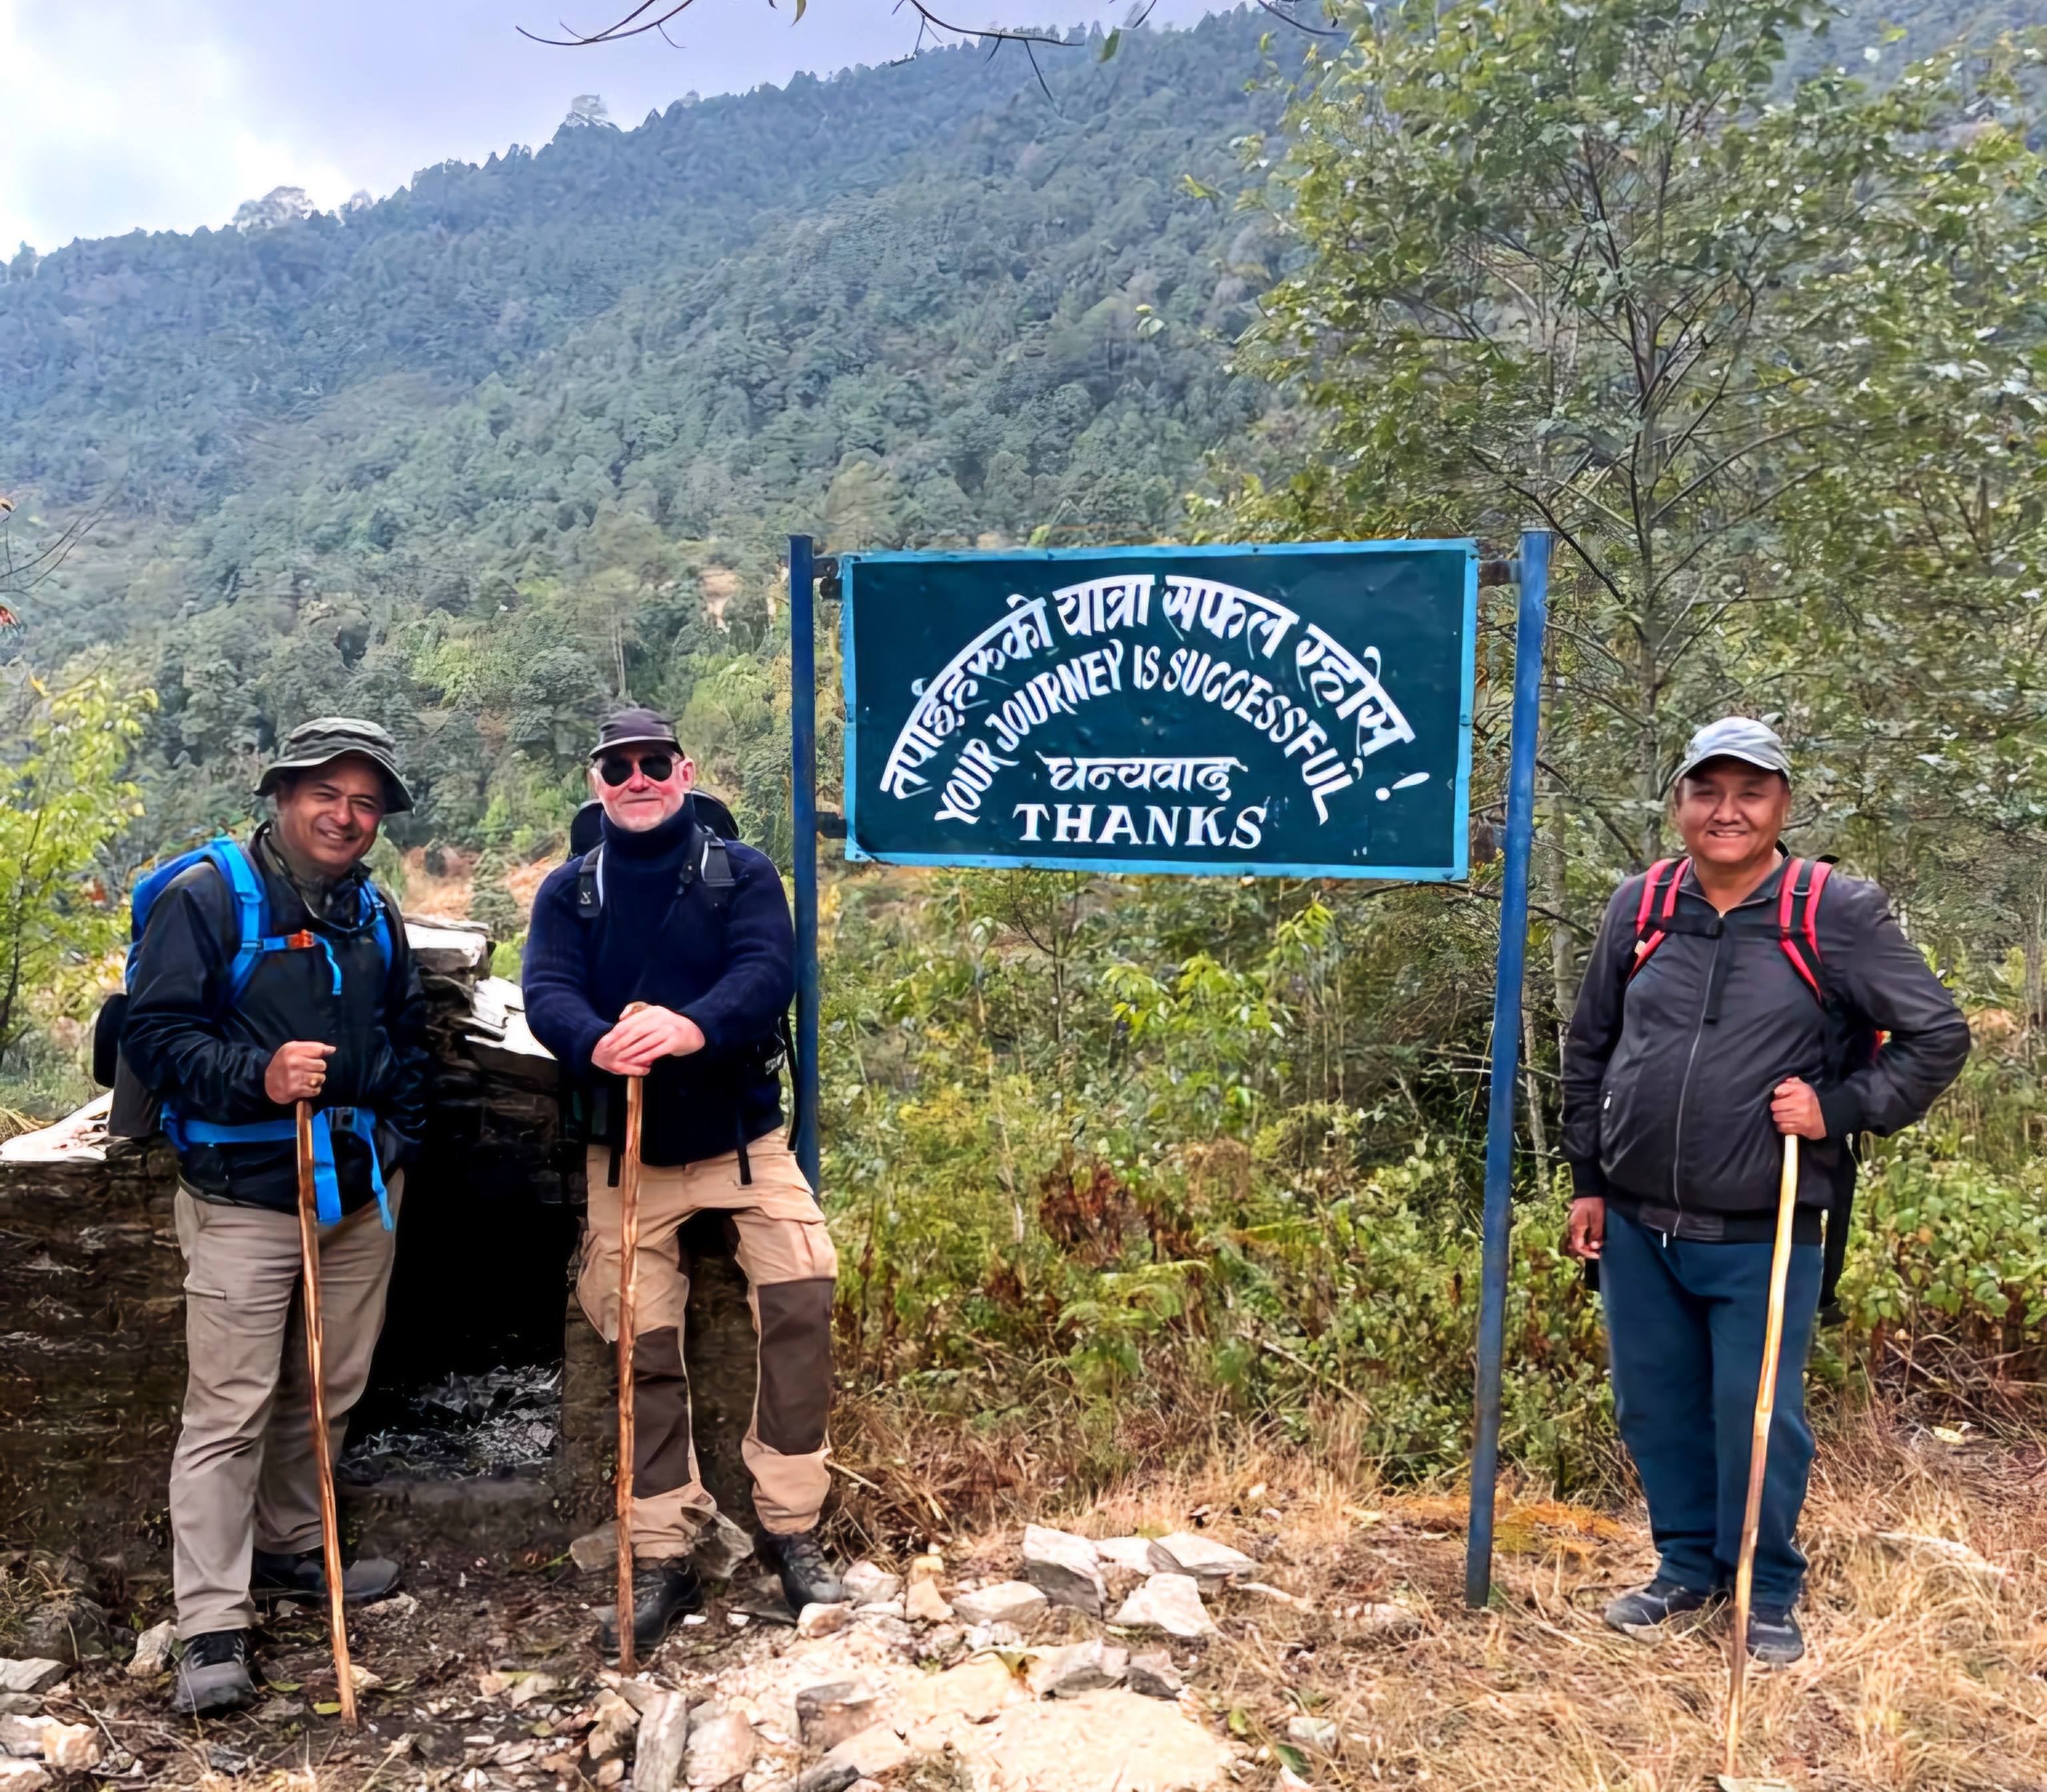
(732, 976)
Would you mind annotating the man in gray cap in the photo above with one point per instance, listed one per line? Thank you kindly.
(263, 976)
(1733, 996)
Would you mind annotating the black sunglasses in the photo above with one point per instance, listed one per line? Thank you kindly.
(658, 767)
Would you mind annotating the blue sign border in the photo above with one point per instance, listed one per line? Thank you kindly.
(1455, 873)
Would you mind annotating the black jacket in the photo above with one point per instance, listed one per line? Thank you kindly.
(1663, 1105)
(732, 975)
(187, 1044)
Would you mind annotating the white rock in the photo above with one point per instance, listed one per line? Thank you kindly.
(1127, 1555)
(616, 1720)
(924, 1604)
(22, 1735)
(1188, 1552)
(1008, 1602)
(861, 1579)
(1065, 1568)
(395, 1610)
(657, 1750)
(1153, 1674)
(22, 1776)
(153, 1651)
(815, 1620)
(592, 1550)
(720, 1747)
(874, 1751)
(1168, 1602)
(35, 1674)
(1385, 1620)
(1080, 1667)
(72, 1746)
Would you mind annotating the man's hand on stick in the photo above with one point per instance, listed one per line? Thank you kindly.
(297, 1073)
(1795, 1108)
(631, 1048)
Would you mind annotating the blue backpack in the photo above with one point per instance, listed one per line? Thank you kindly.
(245, 884)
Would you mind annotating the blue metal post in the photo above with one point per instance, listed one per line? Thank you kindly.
(803, 737)
(1532, 571)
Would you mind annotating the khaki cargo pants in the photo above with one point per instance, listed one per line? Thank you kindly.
(786, 1256)
(242, 1477)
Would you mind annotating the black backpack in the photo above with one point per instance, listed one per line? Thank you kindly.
(706, 862)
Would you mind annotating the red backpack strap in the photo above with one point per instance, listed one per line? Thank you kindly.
(1787, 896)
(1646, 941)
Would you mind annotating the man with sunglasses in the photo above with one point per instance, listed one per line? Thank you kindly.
(264, 975)
(691, 932)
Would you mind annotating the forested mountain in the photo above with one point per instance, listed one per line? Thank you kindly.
(477, 457)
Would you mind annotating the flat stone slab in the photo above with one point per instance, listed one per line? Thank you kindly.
(1188, 1552)
(1168, 1602)
(1008, 1602)
(1065, 1568)
(1105, 1741)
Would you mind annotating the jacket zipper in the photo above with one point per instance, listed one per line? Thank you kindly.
(1685, 1087)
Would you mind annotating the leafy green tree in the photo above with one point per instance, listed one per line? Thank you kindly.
(64, 796)
(1742, 345)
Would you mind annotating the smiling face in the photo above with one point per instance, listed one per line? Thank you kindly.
(638, 802)
(328, 817)
(1731, 813)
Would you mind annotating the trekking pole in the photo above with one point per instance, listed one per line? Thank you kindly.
(629, 1252)
(316, 1370)
(1758, 1453)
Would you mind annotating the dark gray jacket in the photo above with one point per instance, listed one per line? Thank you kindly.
(1667, 1103)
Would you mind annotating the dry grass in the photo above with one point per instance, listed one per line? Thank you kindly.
(1925, 1671)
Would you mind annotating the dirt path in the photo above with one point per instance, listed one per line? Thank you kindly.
(1927, 1617)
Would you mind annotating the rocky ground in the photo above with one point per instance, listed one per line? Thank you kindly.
(1266, 1622)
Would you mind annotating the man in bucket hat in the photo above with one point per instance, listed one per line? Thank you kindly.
(264, 975)
(1733, 996)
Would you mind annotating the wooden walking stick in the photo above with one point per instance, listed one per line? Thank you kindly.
(1758, 1456)
(316, 1370)
(628, 1252)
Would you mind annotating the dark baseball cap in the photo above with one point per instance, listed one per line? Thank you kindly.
(329, 738)
(634, 727)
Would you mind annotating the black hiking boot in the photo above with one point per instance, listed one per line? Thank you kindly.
(1641, 1613)
(662, 1592)
(807, 1578)
(213, 1673)
(1774, 1639)
(304, 1576)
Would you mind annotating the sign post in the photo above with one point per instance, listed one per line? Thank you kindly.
(1532, 574)
(1301, 710)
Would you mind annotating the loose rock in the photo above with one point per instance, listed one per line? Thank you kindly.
(1385, 1620)
(615, 1723)
(1212, 1564)
(716, 1556)
(33, 1675)
(20, 1704)
(1168, 1602)
(866, 1584)
(1065, 1568)
(72, 1746)
(1080, 1667)
(22, 1776)
(72, 1630)
(657, 1750)
(593, 1549)
(720, 1747)
(22, 1735)
(874, 1751)
(1008, 1602)
(1153, 1674)
(923, 1603)
(816, 1620)
(1126, 1555)
(153, 1651)
(826, 1715)
(826, 1777)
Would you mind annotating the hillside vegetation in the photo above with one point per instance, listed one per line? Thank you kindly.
(1105, 1159)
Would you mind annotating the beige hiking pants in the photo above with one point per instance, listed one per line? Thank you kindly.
(243, 1478)
(786, 1256)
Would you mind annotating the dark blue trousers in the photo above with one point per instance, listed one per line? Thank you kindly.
(1685, 1324)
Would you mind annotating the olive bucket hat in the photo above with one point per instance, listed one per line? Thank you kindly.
(329, 738)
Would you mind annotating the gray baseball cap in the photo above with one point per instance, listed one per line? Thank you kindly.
(1736, 737)
(329, 738)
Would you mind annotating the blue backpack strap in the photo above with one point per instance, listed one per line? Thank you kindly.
(326, 1183)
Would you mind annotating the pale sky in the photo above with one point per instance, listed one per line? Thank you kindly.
(168, 114)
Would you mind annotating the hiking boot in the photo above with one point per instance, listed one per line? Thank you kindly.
(807, 1578)
(662, 1592)
(304, 1576)
(1774, 1639)
(1640, 1613)
(213, 1673)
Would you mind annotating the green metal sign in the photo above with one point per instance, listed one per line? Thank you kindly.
(1297, 710)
